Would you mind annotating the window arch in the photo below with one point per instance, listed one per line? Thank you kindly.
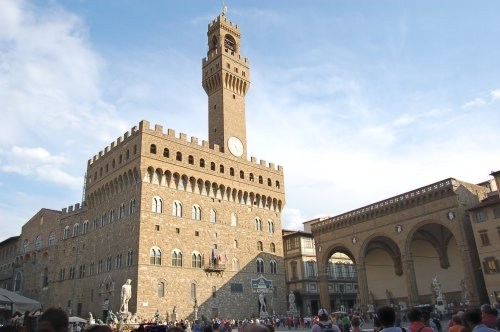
(221, 168)
(196, 212)
(193, 290)
(155, 256)
(38, 242)
(260, 246)
(272, 247)
(261, 181)
(85, 227)
(166, 153)
(202, 163)
(235, 243)
(76, 228)
(157, 205)
(234, 220)
(212, 166)
(178, 156)
(45, 279)
(258, 224)
(242, 175)
(231, 171)
(52, 239)
(131, 207)
(176, 257)
(18, 280)
(260, 265)
(277, 184)
(273, 267)
(250, 177)
(177, 209)
(269, 183)
(66, 233)
(213, 216)
(270, 226)
(152, 149)
(191, 160)
(161, 289)
(196, 260)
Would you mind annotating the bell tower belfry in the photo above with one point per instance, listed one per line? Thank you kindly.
(226, 80)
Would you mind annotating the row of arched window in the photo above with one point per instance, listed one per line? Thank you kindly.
(106, 218)
(273, 266)
(39, 243)
(178, 156)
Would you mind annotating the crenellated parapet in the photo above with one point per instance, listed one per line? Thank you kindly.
(73, 209)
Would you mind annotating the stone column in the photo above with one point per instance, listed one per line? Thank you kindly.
(469, 275)
(411, 281)
(324, 294)
(363, 287)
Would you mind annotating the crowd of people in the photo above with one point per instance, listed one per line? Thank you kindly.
(420, 319)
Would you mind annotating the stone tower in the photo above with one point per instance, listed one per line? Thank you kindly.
(226, 80)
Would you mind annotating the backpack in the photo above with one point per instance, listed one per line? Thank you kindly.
(326, 327)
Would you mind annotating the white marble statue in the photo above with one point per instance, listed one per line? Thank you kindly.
(125, 296)
(91, 319)
(262, 301)
(437, 287)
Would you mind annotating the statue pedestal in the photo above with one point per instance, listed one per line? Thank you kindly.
(293, 313)
(174, 317)
(264, 314)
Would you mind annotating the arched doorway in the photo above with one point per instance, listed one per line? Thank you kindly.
(342, 278)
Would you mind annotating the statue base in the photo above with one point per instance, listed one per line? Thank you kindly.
(264, 314)
(174, 317)
(293, 313)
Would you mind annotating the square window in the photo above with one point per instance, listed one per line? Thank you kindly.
(157, 227)
(177, 230)
(196, 233)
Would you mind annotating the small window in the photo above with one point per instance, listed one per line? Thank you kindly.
(260, 265)
(221, 168)
(127, 155)
(212, 166)
(155, 256)
(490, 265)
(213, 216)
(161, 289)
(485, 240)
(177, 209)
(191, 160)
(196, 233)
(273, 267)
(242, 175)
(196, 212)
(269, 182)
(196, 260)
(157, 227)
(272, 247)
(261, 181)
(178, 230)
(166, 153)
(177, 258)
(178, 156)
(152, 149)
(480, 216)
(277, 184)
(231, 171)
(202, 163)
(235, 243)
(260, 247)
(250, 177)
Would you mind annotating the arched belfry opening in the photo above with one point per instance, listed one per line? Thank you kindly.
(230, 43)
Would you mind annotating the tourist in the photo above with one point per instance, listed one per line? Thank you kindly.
(417, 319)
(356, 323)
(489, 316)
(457, 324)
(53, 320)
(324, 324)
(387, 318)
(472, 320)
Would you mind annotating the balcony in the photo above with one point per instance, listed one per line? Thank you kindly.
(216, 268)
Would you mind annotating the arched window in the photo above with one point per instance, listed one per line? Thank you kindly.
(38, 242)
(269, 183)
(234, 220)
(242, 175)
(272, 247)
(196, 260)
(52, 239)
(250, 176)
(18, 280)
(260, 247)
(261, 181)
(270, 226)
(235, 243)
(155, 256)
(196, 212)
(121, 211)
(212, 166)
(178, 156)
(177, 209)
(166, 153)
(76, 228)
(85, 228)
(258, 224)
(260, 265)
(66, 233)
(157, 206)
(202, 163)
(161, 289)
(176, 258)
(131, 207)
(193, 290)
(152, 149)
(45, 279)
(277, 184)
(191, 160)
(231, 171)
(273, 267)
(26, 246)
(235, 264)
(213, 215)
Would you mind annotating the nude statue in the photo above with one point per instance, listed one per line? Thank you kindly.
(263, 307)
(126, 295)
(291, 300)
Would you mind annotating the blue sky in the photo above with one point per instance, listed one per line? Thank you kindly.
(358, 100)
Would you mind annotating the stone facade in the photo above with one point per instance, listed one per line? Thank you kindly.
(400, 244)
(485, 219)
(8, 264)
(194, 224)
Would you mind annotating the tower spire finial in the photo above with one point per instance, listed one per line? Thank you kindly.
(224, 8)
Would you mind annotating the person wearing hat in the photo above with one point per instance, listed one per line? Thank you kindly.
(324, 324)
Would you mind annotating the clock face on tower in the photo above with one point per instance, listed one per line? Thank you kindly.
(235, 146)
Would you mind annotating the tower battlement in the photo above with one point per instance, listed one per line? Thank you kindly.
(72, 209)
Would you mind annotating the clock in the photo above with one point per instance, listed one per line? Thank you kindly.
(235, 146)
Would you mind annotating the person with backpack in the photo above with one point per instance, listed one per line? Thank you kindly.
(417, 320)
(324, 324)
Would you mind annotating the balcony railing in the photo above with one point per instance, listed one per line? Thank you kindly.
(214, 268)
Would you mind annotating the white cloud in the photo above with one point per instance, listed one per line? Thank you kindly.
(495, 94)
